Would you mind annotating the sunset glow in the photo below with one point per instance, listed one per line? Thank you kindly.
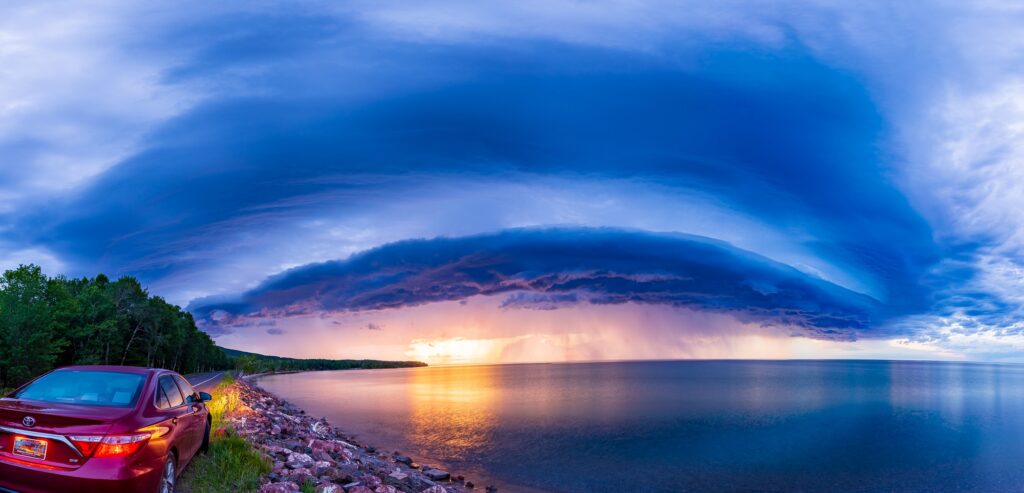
(539, 181)
(458, 350)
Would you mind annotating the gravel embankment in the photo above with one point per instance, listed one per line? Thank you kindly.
(307, 450)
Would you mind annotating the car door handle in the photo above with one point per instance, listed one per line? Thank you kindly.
(174, 421)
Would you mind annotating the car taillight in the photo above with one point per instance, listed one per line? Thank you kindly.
(111, 445)
(86, 444)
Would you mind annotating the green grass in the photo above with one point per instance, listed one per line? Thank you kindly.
(232, 465)
(224, 402)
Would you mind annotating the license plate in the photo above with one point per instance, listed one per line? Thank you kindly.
(30, 447)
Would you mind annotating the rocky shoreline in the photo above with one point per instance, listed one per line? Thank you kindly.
(308, 450)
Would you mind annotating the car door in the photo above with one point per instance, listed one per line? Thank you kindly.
(181, 416)
(195, 407)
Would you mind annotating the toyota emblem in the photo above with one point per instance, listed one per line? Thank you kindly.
(29, 421)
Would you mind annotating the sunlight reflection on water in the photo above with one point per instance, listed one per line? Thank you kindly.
(453, 412)
(691, 425)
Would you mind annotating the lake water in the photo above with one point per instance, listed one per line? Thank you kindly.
(703, 426)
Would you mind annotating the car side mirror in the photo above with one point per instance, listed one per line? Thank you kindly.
(204, 397)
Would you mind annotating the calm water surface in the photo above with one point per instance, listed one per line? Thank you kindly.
(736, 426)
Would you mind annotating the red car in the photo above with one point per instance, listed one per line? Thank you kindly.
(103, 429)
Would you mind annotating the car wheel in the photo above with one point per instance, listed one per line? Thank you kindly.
(169, 476)
(205, 447)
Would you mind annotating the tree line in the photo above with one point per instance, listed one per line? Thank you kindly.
(258, 363)
(47, 323)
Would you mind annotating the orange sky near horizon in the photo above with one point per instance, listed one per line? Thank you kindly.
(479, 331)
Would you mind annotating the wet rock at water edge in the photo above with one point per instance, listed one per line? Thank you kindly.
(436, 474)
(308, 450)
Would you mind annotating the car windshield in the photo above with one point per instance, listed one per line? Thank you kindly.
(90, 388)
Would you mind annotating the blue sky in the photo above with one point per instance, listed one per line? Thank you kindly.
(840, 178)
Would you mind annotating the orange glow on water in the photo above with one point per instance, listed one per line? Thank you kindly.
(453, 409)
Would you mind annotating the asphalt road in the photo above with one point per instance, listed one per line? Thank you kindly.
(205, 382)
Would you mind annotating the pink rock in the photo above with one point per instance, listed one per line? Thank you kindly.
(329, 488)
(301, 475)
(435, 489)
(286, 487)
(386, 489)
(297, 460)
(370, 481)
(359, 489)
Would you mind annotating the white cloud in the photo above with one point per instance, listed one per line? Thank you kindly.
(50, 263)
(76, 94)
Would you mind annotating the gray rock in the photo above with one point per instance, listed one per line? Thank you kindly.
(436, 474)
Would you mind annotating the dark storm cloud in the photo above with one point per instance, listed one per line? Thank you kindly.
(598, 266)
(774, 135)
(315, 115)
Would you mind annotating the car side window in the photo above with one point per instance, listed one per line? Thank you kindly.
(174, 397)
(186, 388)
(161, 399)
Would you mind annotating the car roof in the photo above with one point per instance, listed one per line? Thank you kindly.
(138, 370)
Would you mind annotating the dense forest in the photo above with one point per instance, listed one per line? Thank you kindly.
(50, 322)
(47, 323)
(258, 363)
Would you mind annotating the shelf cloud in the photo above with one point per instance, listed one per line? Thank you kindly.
(863, 170)
(545, 268)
